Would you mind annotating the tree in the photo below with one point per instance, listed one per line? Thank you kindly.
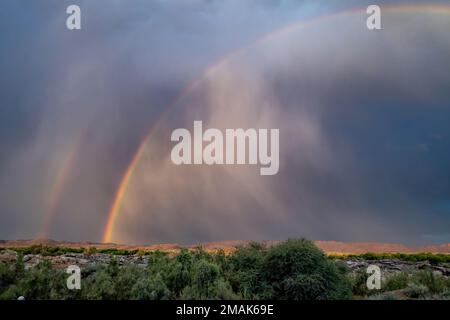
(294, 269)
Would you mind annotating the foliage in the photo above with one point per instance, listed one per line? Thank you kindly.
(294, 269)
(436, 283)
(46, 250)
(416, 290)
(424, 284)
(412, 257)
(396, 281)
(358, 282)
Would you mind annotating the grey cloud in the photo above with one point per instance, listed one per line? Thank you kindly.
(352, 107)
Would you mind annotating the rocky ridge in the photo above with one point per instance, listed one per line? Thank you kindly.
(84, 260)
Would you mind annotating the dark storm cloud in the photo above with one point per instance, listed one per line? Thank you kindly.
(358, 113)
(109, 82)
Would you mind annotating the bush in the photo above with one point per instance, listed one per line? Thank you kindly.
(246, 272)
(446, 294)
(204, 281)
(295, 269)
(358, 282)
(150, 288)
(40, 282)
(416, 291)
(179, 270)
(435, 283)
(6, 276)
(396, 281)
(414, 257)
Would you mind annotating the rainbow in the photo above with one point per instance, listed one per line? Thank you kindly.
(120, 193)
(59, 183)
(127, 175)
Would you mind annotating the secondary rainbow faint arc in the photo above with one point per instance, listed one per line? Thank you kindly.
(59, 183)
(123, 184)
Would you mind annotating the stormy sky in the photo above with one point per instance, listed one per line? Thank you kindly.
(363, 118)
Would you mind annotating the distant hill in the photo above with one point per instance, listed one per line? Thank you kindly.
(327, 246)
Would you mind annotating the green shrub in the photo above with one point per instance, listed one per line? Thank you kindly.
(358, 282)
(246, 272)
(435, 283)
(416, 291)
(396, 281)
(445, 294)
(297, 269)
(121, 252)
(178, 275)
(90, 250)
(99, 286)
(150, 288)
(433, 258)
(204, 281)
(294, 269)
(7, 276)
(125, 279)
(40, 282)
